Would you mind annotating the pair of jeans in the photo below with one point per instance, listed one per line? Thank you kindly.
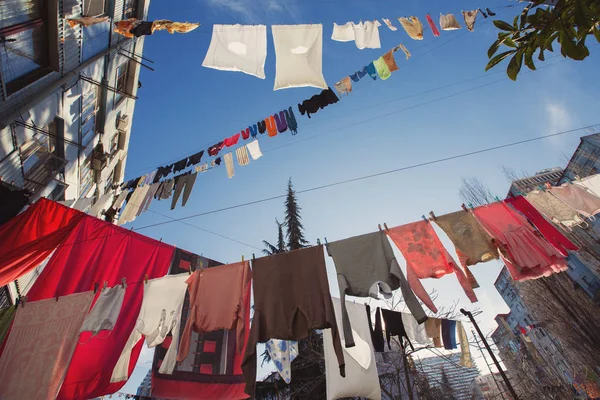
(183, 183)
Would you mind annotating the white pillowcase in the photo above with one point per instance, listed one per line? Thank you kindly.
(364, 34)
(299, 56)
(241, 48)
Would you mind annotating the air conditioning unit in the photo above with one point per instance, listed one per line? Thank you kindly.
(123, 123)
(99, 158)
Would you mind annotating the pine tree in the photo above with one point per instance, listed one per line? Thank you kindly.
(280, 248)
(295, 234)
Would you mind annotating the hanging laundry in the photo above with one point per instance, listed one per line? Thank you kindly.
(344, 86)
(180, 165)
(318, 102)
(195, 159)
(280, 122)
(6, 318)
(301, 294)
(172, 27)
(365, 265)
(361, 378)
(490, 13)
(254, 150)
(262, 127)
(40, 345)
(413, 27)
(149, 179)
(282, 353)
(216, 299)
(291, 120)
(382, 68)
(241, 48)
(465, 351)
(390, 61)
(404, 49)
(389, 24)
(414, 330)
(591, 183)
(105, 312)
(86, 21)
(473, 244)
(148, 198)
(434, 28)
(393, 326)
(355, 77)
(371, 70)
(554, 209)
(133, 205)
(577, 198)
(160, 314)
(433, 328)
(253, 130)
(183, 183)
(271, 126)
(11, 202)
(526, 255)
(231, 141)
(133, 27)
(298, 56)
(242, 156)
(549, 231)
(165, 190)
(216, 161)
(229, 165)
(202, 168)
(365, 35)
(470, 17)
(245, 133)
(449, 334)
(448, 22)
(163, 172)
(377, 332)
(215, 149)
(83, 204)
(426, 257)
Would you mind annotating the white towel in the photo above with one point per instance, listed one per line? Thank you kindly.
(343, 33)
(364, 34)
(299, 56)
(242, 156)
(254, 150)
(241, 48)
(414, 331)
(105, 312)
(229, 164)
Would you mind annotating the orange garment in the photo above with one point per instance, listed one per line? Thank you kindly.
(217, 302)
(172, 27)
(426, 258)
(86, 21)
(433, 327)
(124, 27)
(271, 126)
(390, 61)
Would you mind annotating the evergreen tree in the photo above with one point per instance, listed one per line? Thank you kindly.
(295, 230)
(280, 248)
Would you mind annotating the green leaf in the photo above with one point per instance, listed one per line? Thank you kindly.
(572, 50)
(498, 59)
(583, 16)
(541, 56)
(514, 66)
(529, 59)
(524, 17)
(493, 48)
(510, 43)
(504, 26)
(597, 34)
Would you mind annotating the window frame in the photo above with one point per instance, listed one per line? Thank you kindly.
(129, 9)
(86, 176)
(89, 103)
(124, 77)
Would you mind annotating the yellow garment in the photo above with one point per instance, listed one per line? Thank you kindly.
(86, 21)
(413, 27)
(382, 68)
(465, 351)
(172, 27)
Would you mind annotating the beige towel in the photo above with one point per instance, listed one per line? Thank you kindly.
(433, 328)
(448, 22)
(413, 27)
(465, 351)
(242, 156)
(229, 164)
(553, 208)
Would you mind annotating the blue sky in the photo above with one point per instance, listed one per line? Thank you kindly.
(382, 125)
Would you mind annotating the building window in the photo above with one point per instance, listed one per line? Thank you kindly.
(109, 181)
(93, 8)
(88, 116)
(121, 85)
(86, 177)
(114, 145)
(129, 9)
(24, 57)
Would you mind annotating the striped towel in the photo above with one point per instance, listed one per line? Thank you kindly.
(242, 156)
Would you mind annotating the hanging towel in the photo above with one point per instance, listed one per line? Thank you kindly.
(382, 68)
(394, 326)
(343, 33)
(365, 266)
(434, 28)
(282, 353)
(473, 245)
(448, 22)
(449, 334)
(413, 27)
(577, 198)
(591, 183)
(390, 61)
(231, 141)
(389, 24)
(405, 50)
(433, 328)
(344, 86)
(216, 298)
(414, 331)
(298, 56)
(242, 156)
(228, 157)
(291, 120)
(377, 332)
(271, 126)
(465, 351)
(470, 17)
(105, 312)
(426, 257)
(289, 287)
(318, 102)
(40, 346)
(280, 122)
(254, 150)
(553, 208)
(364, 34)
(160, 314)
(241, 48)
(549, 231)
(361, 378)
(371, 70)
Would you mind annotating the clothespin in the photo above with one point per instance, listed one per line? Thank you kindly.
(96, 286)
(379, 226)
(105, 285)
(326, 244)
(424, 219)
(318, 241)
(242, 258)
(548, 185)
(432, 215)
(145, 279)
(123, 282)
(496, 197)
(253, 257)
(160, 240)
(464, 207)
(471, 206)
(385, 226)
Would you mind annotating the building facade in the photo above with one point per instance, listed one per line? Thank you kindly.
(585, 161)
(460, 378)
(67, 97)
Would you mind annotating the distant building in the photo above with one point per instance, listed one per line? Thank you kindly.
(460, 378)
(145, 388)
(586, 159)
(490, 387)
(524, 185)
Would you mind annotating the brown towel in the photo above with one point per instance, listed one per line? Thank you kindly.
(433, 328)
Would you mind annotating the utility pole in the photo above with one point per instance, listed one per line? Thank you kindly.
(489, 367)
(487, 346)
(406, 374)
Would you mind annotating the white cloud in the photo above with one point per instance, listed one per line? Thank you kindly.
(559, 119)
(255, 12)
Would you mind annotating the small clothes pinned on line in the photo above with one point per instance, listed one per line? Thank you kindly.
(412, 26)
(344, 86)
(364, 34)
(318, 102)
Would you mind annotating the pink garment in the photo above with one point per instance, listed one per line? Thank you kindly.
(526, 254)
(577, 198)
(40, 346)
(426, 258)
(434, 28)
(231, 141)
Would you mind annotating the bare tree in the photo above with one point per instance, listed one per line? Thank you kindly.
(475, 192)
(512, 175)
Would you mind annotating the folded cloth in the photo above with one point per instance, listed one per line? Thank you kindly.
(413, 27)
(553, 208)
(389, 24)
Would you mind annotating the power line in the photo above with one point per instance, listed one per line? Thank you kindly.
(364, 177)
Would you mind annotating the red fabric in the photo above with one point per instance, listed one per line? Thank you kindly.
(426, 258)
(434, 28)
(188, 390)
(97, 251)
(231, 140)
(552, 235)
(29, 238)
(245, 133)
